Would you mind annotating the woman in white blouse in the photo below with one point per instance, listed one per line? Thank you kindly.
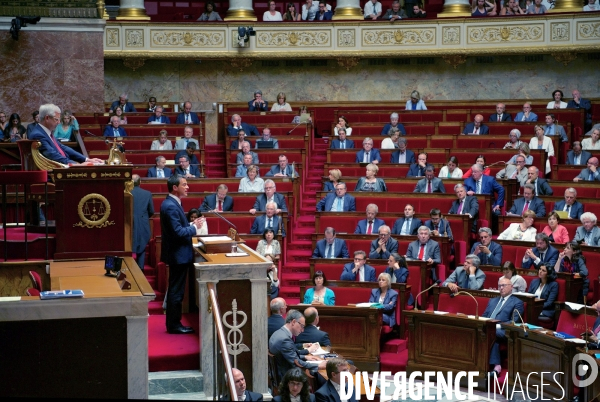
(521, 231)
(557, 103)
(591, 143)
(343, 122)
(392, 141)
(510, 272)
(451, 170)
(281, 105)
(251, 183)
(540, 141)
(163, 143)
(272, 14)
(268, 244)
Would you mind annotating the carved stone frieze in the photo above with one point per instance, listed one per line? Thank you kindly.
(564, 57)
(112, 37)
(133, 63)
(451, 35)
(560, 32)
(455, 60)
(240, 63)
(314, 38)
(134, 38)
(184, 39)
(346, 38)
(405, 36)
(497, 34)
(588, 30)
(348, 62)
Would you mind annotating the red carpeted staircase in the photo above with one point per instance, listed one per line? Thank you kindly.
(215, 164)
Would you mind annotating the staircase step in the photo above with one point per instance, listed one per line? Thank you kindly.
(297, 276)
(395, 346)
(155, 308)
(300, 245)
(289, 291)
(175, 383)
(296, 267)
(393, 362)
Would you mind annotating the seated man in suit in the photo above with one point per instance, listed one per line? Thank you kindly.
(526, 114)
(220, 201)
(488, 252)
(275, 320)
(500, 114)
(266, 137)
(189, 152)
(590, 173)
(51, 148)
(518, 171)
(528, 202)
(342, 142)
(338, 201)
(329, 392)
(476, 128)
(589, 233)
(540, 186)
(479, 183)
(430, 184)
(185, 169)
(242, 170)
(158, 118)
(240, 388)
(438, 225)
(552, 129)
(394, 117)
(188, 133)
(542, 254)
(323, 14)
(123, 102)
(577, 156)
(270, 220)
(270, 195)
(245, 151)
(312, 333)
(358, 270)
(160, 170)
(113, 129)
(330, 246)
(418, 169)
(570, 204)
(580, 103)
(425, 249)
(368, 154)
(464, 204)
(407, 225)
(502, 309)
(402, 155)
(283, 348)
(187, 116)
(258, 104)
(469, 276)
(384, 245)
(236, 124)
(283, 169)
(371, 224)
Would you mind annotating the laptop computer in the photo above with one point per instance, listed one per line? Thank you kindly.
(260, 144)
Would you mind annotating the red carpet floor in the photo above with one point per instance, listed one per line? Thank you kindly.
(168, 352)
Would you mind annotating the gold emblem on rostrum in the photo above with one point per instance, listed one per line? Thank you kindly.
(94, 211)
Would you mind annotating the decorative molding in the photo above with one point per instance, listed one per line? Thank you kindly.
(134, 38)
(346, 38)
(401, 36)
(564, 57)
(451, 35)
(316, 38)
(235, 337)
(455, 60)
(560, 32)
(505, 34)
(348, 62)
(240, 62)
(186, 39)
(588, 30)
(112, 37)
(133, 64)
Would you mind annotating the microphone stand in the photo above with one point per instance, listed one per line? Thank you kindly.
(472, 297)
(525, 334)
(237, 238)
(496, 163)
(586, 326)
(296, 126)
(423, 291)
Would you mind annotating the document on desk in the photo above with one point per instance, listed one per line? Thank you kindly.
(374, 305)
(61, 294)
(319, 352)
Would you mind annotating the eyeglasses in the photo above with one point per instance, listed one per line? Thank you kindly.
(302, 325)
(504, 285)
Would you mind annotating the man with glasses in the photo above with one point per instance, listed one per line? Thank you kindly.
(113, 129)
(283, 348)
(528, 202)
(518, 171)
(526, 114)
(338, 201)
(382, 247)
(573, 207)
(330, 246)
(270, 220)
(469, 276)
(425, 249)
(438, 225)
(330, 391)
(590, 173)
(589, 233)
(371, 224)
(270, 195)
(541, 186)
(220, 201)
(542, 254)
(323, 14)
(488, 252)
(158, 117)
(368, 154)
(479, 183)
(358, 270)
(246, 151)
(266, 137)
(276, 320)
(283, 169)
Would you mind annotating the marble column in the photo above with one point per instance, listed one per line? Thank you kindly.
(456, 8)
(567, 6)
(240, 10)
(348, 10)
(132, 10)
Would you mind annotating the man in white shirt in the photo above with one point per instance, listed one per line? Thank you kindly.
(372, 10)
(309, 10)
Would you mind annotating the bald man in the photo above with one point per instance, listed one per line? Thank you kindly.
(312, 333)
(240, 387)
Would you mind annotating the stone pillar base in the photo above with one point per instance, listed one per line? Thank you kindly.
(240, 15)
(567, 6)
(455, 10)
(348, 13)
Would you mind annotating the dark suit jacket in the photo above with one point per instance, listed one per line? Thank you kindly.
(312, 334)
(50, 151)
(391, 246)
(275, 321)
(505, 117)
(583, 104)
(410, 156)
(152, 172)
(575, 211)
(386, 129)
(506, 313)
(210, 203)
(432, 250)
(483, 129)
(437, 186)
(327, 393)
(326, 202)
(163, 119)
(339, 247)
(176, 245)
(373, 156)
(470, 206)
(543, 188)
(261, 202)
(276, 169)
(258, 227)
(585, 155)
(585, 175)
(335, 144)
(494, 259)
(181, 118)
(193, 170)
(109, 131)
(326, 16)
(549, 294)
(361, 226)
(328, 186)
(536, 205)
(347, 274)
(285, 352)
(127, 109)
(143, 209)
(414, 226)
(443, 227)
(550, 258)
(489, 185)
(193, 159)
(416, 170)
(278, 397)
(262, 108)
(248, 129)
(389, 305)
(235, 144)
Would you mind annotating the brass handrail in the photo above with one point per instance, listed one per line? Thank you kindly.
(212, 294)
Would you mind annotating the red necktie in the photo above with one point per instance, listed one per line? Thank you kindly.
(429, 186)
(57, 146)
(220, 206)
(525, 208)
(421, 252)
(370, 227)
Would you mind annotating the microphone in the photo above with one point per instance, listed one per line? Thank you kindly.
(472, 297)
(525, 334)
(423, 291)
(494, 164)
(289, 132)
(90, 133)
(223, 218)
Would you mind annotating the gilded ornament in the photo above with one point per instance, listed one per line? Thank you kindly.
(348, 62)
(346, 38)
(564, 57)
(112, 37)
(94, 211)
(504, 33)
(240, 62)
(134, 38)
(173, 38)
(94, 175)
(450, 35)
(527, 33)
(302, 38)
(560, 32)
(455, 60)
(588, 30)
(133, 64)
(293, 38)
(399, 36)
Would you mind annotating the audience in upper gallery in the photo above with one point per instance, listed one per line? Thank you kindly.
(383, 246)
(570, 204)
(269, 245)
(526, 114)
(266, 137)
(35, 123)
(342, 142)
(519, 284)
(358, 270)
(572, 261)
(552, 128)
(592, 143)
(291, 14)
(14, 129)
(309, 10)
(518, 171)
(237, 144)
(209, 13)
(402, 155)
(159, 170)
(371, 223)
(158, 117)
(246, 151)
(242, 170)
(272, 14)
(477, 127)
(489, 252)
(537, 8)
(368, 154)
(394, 13)
(237, 124)
(372, 10)
(113, 130)
(591, 6)
(589, 233)
(185, 169)
(418, 169)
(331, 246)
(163, 143)
(513, 139)
(190, 153)
(194, 214)
(323, 13)
(557, 102)
(540, 185)
(258, 104)
(338, 201)
(282, 169)
(430, 183)
(529, 202)
(320, 294)
(151, 105)
(371, 183)
(523, 150)
(480, 160)
(3, 121)
(545, 287)
(451, 169)
(343, 123)
(541, 141)
(392, 141)
(394, 117)
(556, 232)
(500, 114)
(270, 220)
(123, 102)
(483, 8)
(188, 133)
(387, 297)
(467, 276)
(590, 173)
(415, 102)
(270, 195)
(119, 113)
(542, 254)
(523, 231)
(512, 8)
(68, 127)
(281, 105)
(408, 225)
(252, 183)
(576, 156)
(580, 103)
(438, 225)
(464, 204)
(425, 249)
(418, 12)
(187, 116)
(335, 177)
